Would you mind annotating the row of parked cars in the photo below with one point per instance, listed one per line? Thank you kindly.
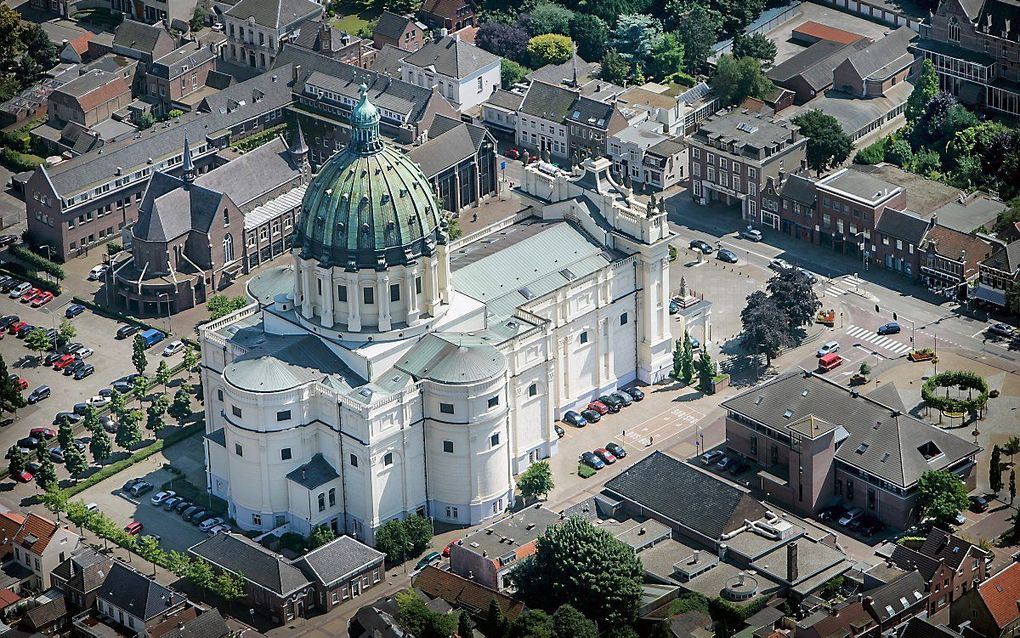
(170, 502)
(603, 456)
(605, 404)
(853, 519)
(725, 462)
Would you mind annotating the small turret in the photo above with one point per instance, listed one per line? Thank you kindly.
(188, 167)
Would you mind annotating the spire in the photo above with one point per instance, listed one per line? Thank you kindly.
(365, 122)
(188, 169)
(298, 148)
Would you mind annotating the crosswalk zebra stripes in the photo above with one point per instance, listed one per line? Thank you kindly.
(838, 287)
(869, 336)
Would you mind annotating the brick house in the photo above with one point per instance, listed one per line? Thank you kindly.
(997, 273)
(464, 593)
(590, 124)
(403, 32)
(178, 74)
(341, 569)
(873, 70)
(89, 99)
(452, 15)
(991, 608)
(795, 197)
(130, 600)
(951, 259)
(949, 565)
(897, 241)
(850, 205)
(258, 29)
(80, 576)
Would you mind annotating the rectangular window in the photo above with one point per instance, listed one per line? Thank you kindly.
(493, 401)
(448, 447)
(394, 292)
(219, 394)
(332, 497)
(623, 319)
(872, 497)
(354, 461)
(849, 490)
(584, 337)
(754, 445)
(369, 295)
(388, 459)
(238, 450)
(341, 293)
(446, 408)
(283, 415)
(236, 411)
(417, 285)
(494, 440)
(285, 454)
(322, 502)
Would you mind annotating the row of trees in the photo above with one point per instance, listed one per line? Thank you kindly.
(25, 53)
(685, 368)
(773, 321)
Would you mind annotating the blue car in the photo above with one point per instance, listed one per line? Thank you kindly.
(890, 328)
(574, 419)
(74, 310)
(592, 461)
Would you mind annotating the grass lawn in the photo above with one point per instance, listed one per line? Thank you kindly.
(354, 16)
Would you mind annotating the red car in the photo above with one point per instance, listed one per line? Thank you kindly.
(63, 362)
(513, 153)
(605, 455)
(30, 295)
(14, 327)
(133, 528)
(43, 299)
(446, 550)
(18, 381)
(24, 477)
(43, 433)
(599, 407)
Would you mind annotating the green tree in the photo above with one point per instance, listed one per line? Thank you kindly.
(139, 389)
(925, 88)
(706, 372)
(510, 73)
(11, 399)
(549, 17)
(678, 354)
(420, 621)
(37, 341)
(536, 481)
(419, 532)
(661, 629)
(200, 574)
(163, 374)
(926, 162)
(100, 446)
(687, 359)
(1012, 485)
(180, 409)
(550, 48)
(138, 359)
(578, 564)
(465, 628)
(1012, 448)
(190, 358)
(898, 151)
(827, 144)
(591, 35)
(55, 499)
(154, 414)
(865, 369)
(65, 435)
(66, 331)
(128, 434)
(75, 461)
(667, 57)
(567, 622)
(496, 624)
(320, 536)
(78, 513)
(764, 327)
(754, 46)
(698, 28)
(90, 421)
(941, 495)
(738, 78)
(201, 15)
(18, 461)
(391, 539)
(46, 477)
(792, 293)
(221, 305)
(995, 470)
(635, 37)
(615, 68)
(117, 403)
(533, 623)
(178, 563)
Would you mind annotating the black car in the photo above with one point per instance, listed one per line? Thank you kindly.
(183, 505)
(702, 246)
(7, 320)
(635, 393)
(24, 330)
(192, 514)
(612, 402)
(29, 443)
(9, 285)
(52, 357)
(74, 367)
(1000, 330)
(108, 424)
(40, 393)
(70, 417)
(869, 526)
(978, 504)
(833, 513)
(74, 348)
(122, 387)
(8, 240)
(126, 330)
(80, 408)
(560, 432)
(127, 486)
(727, 255)
(83, 372)
(591, 416)
(738, 465)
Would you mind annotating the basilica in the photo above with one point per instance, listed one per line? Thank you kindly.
(392, 370)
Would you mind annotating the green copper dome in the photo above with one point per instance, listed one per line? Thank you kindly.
(369, 206)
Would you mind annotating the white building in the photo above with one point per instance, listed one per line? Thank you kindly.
(464, 74)
(257, 29)
(651, 158)
(394, 373)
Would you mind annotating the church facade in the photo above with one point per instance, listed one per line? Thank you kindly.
(392, 370)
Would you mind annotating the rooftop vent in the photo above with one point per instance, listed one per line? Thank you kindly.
(788, 414)
(862, 448)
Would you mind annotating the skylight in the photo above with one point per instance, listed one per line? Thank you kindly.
(862, 448)
(788, 413)
(929, 450)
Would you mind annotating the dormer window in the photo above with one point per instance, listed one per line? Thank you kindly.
(954, 29)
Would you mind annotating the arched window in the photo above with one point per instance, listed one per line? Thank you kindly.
(228, 248)
(954, 29)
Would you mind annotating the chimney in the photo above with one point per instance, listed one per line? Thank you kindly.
(297, 72)
(302, 474)
(869, 606)
(791, 562)
(933, 221)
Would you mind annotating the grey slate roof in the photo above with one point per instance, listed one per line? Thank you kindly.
(948, 547)
(253, 174)
(275, 363)
(687, 495)
(388, 60)
(317, 471)
(746, 130)
(391, 25)
(338, 559)
(448, 147)
(910, 588)
(505, 100)
(452, 57)
(998, 14)
(805, 60)
(209, 624)
(239, 555)
(911, 560)
(548, 101)
(136, 593)
(453, 358)
(902, 225)
(591, 113)
(139, 36)
(892, 441)
(667, 147)
(181, 59)
(275, 14)
(799, 188)
(884, 56)
(921, 628)
(168, 211)
(84, 570)
(556, 73)
(1007, 259)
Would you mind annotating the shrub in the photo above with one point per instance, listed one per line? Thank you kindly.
(955, 378)
(871, 154)
(550, 48)
(584, 471)
(37, 262)
(19, 162)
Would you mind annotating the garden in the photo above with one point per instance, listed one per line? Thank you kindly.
(952, 393)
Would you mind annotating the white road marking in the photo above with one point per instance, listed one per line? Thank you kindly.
(879, 341)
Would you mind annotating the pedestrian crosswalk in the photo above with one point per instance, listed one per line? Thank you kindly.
(842, 286)
(869, 336)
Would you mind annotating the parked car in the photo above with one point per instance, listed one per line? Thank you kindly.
(7, 320)
(19, 290)
(560, 432)
(57, 454)
(810, 275)
(512, 153)
(723, 462)
(85, 353)
(432, 558)
(573, 418)
(752, 234)
(592, 461)
(978, 504)
(186, 513)
(624, 398)
(183, 505)
(134, 528)
(173, 348)
(674, 307)
(591, 416)
(738, 465)
(24, 477)
(131, 483)
(209, 523)
(1000, 330)
(8, 240)
(29, 444)
(155, 537)
(42, 299)
(140, 488)
(695, 343)
(73, 367)
(98, 272)
(832, 513)
(43, 433)
(449, 547)
(151, 337)
(611, 401)
(852, 515)
(218, 529)
(73, 348)
(598, 406)
(617, 450)
(726, 255)
(70, 417)
(890, 328)
(22, 384)
(827, 348)
(121, 386)
(74, 310)
(869, 526)
(606, 456)
(701, 246)
(708, 458)
(778, 264)
(198, 516)
(29, 295)
(40, 393)
(108, 423)
(159, 497)
(634, 393)
(959, 519)
(52, 358)
(126, 330)
(98, 401)
(84, 371)
(23, 330)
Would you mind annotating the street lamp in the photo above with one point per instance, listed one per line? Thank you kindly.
(169, 325)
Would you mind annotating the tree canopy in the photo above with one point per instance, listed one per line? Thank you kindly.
(590, 34)
(754, 46)
(828, 145)
(550, 48)
(738, 78)
(925, 88)
(941, 495)
(535, 481)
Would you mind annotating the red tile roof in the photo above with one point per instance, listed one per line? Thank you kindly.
(951, 243)
(8, 598)
(81, 43)
(1000, 594)
(36, 534)
(820, 31)
(465, 593)
(105, 93)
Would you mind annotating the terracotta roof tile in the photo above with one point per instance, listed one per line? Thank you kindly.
(820, 31)
(950, 243)
(464, 593)
(36, 534)
(1000, 594)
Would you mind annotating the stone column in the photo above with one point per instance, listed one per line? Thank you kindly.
(353, 303)
(432, 286)
(456, 190)
(328, 295)
(412, 297)
(383, 290)
(307, 305)
(299, 287)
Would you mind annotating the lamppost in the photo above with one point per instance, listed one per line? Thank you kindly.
(169, 325)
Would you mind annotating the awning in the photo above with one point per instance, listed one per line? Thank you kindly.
(991, 295)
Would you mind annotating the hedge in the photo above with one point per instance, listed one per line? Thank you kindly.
(140, 455)
(42, 284)
(950, 379)
(20, 162)
(38, 262)
(584, 471)
(256, 140)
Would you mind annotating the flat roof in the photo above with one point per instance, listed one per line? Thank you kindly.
(509, 534)
(858, 185)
